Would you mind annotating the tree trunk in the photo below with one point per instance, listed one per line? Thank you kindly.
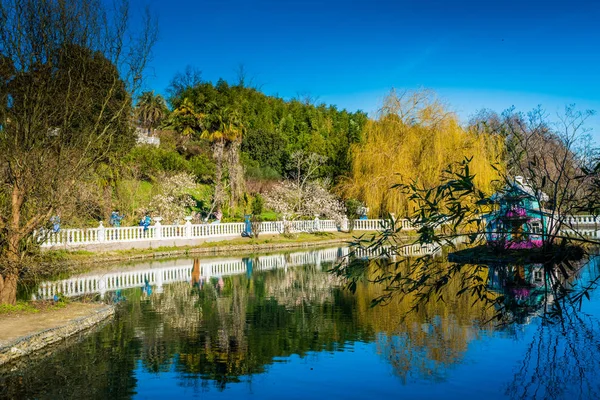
(108, 192)
(236, 174)
(218, 149)
(9, 254)
(8, 289)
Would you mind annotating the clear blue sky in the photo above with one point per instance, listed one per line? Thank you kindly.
(475, 54)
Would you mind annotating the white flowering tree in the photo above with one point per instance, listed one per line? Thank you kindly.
(173, 201)
(302, 195)
(310, 199)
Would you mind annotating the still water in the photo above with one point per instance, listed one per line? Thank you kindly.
(280, 326)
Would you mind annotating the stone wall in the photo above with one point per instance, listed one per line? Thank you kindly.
(32, 343)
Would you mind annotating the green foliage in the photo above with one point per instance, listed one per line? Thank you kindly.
(202, 167)
(257, 205)
(150, 110)
(255, 170)
(151, 161)
(275, 128)
(352, 206)
(19, 307)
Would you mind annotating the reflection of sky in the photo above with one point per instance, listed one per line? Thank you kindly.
(358, 372)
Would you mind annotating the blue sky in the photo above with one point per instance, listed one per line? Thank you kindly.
(475, 54)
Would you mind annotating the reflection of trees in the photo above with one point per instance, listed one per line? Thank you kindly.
(100, 366)
(300, 286)
(421, 342)
(561, 362)
(228, 327)
(562, 359)
(214, 332)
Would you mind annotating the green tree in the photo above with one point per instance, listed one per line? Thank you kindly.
(65, 109)
(151, 110)
(224, 131)
(185, 119)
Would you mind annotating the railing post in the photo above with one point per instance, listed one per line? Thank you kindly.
(101, 232)
(188, 227)
(317, 224)
(158, 228)
(344, 226)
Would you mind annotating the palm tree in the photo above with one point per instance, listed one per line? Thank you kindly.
(185, 119)
(151, 110)
(225, 131)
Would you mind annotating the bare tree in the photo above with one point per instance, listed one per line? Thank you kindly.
(69, 70)
(189, 78)
(552, 157)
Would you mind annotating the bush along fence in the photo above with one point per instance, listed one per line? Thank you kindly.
(158, 232)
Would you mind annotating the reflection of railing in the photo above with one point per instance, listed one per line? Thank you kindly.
(181, 270)
(177, 272)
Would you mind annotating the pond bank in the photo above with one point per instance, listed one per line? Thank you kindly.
(22, 334)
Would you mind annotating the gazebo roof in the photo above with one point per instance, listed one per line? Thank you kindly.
(519, 189)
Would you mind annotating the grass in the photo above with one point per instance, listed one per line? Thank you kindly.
(266, 241)
(31, 307)
(22, 307)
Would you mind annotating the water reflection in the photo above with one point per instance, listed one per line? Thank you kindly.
(523, 288)
(209, 332)
(561, 362)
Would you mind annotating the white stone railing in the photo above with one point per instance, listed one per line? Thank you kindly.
(582, 220)
(379, 224)
(159, 232)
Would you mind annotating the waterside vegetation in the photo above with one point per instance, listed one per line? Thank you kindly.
(68, 157)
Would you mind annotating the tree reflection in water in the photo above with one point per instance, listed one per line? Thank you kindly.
(561, 361)
(219, 331)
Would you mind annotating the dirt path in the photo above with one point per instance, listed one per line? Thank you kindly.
(14, 326)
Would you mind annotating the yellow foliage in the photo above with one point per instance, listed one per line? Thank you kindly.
(415, 138)
(411, 342)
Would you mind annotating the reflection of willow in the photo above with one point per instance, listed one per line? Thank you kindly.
(425, 341)
(561, 362)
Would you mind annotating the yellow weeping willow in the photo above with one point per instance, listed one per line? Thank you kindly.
(415, 138)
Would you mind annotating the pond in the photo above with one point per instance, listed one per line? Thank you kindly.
(281, 326)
